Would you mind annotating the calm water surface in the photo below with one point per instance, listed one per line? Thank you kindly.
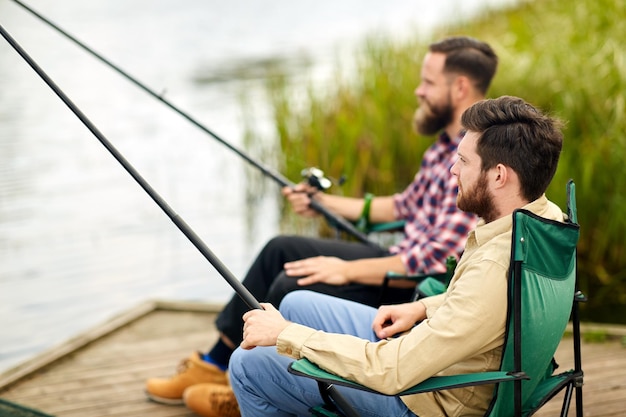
(80, 241)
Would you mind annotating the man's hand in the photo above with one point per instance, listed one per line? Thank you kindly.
(262, 327)
(394, 319)
(300, 200)
(320, 269)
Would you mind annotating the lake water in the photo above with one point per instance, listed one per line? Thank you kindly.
(80, 241)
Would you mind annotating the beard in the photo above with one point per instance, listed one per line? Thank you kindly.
(430, 118)
(477, 200)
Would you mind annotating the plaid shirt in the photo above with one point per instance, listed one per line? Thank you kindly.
(435, 228)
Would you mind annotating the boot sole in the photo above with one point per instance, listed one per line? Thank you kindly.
(163, 400)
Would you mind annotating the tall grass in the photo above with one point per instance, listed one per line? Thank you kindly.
(565, 57)
(569, 58)
(360, 129)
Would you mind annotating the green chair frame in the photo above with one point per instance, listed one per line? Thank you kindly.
(542, 299)
(426, 285)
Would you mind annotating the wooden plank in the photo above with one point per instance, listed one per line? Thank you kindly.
(107, 377)
(15, 374)
(604, 389)
(106, 373)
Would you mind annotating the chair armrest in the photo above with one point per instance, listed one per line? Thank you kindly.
(363, 222)
(304, 367)
(427, 284)
(430, 287)
(442, 277)
(385, 227)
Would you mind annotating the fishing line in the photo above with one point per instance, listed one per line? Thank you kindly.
(239, 288)
(332, 218)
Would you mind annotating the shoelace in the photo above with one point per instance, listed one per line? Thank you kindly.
(183, 366)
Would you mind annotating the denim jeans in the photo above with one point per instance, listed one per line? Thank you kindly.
(260, 379)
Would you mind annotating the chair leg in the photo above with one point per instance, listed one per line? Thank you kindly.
(578, 383)
(334, 401)
(329, 405)
(579, 401)
(566, 400)
(383, 290)
(341, 402)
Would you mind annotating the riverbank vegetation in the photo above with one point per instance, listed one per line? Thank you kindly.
(565, 57)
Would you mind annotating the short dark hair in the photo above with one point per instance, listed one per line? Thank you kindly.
(470, 57)
(518, 135)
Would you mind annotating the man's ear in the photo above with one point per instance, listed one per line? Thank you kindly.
(501, 175)
(461, 88)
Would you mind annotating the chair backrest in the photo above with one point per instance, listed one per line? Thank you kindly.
(542, 279)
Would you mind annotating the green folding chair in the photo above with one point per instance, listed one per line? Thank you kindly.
(542, 298)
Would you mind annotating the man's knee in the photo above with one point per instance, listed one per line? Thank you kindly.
(281, 286)
(246, 366)
(300, 303)
(279, 243)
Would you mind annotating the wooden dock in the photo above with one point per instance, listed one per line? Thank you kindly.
(102, 372)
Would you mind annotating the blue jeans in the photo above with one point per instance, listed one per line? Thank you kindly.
(260, 379)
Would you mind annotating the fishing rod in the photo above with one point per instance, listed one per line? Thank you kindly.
(332, 218)
(239, 288)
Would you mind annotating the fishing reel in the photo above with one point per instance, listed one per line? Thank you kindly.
(315, 177)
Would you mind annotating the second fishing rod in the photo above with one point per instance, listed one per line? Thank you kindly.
(332, 218)
(235, 284)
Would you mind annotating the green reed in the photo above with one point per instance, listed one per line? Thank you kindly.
(565, 57)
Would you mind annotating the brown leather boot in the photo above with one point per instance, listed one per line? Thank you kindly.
(191, 371)
(212, 400)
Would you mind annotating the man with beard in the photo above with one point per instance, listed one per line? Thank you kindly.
(456, 73)
(505, 161)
